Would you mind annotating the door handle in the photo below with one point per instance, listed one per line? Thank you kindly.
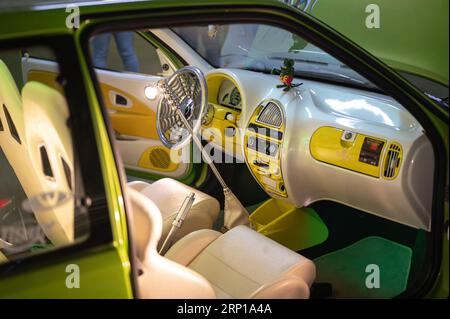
(120, 100)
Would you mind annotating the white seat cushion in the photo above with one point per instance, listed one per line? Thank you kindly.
(245, 264)
(168, 195)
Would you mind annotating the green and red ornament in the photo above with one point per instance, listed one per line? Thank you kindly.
(286, 73)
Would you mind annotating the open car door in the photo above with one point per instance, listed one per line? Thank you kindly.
(131, 107)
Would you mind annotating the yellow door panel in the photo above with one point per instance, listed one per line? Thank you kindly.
(137, 120)
(45, 77)
(133, 124)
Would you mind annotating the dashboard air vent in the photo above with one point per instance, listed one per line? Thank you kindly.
(271, 115)
(392, 161)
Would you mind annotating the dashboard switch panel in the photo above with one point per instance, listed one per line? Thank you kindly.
(371, 151)
(263, 138)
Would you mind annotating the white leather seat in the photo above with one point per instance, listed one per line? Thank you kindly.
(161, 278)
(245, 264)
(168, 194)
(39, 118)
(207, 264)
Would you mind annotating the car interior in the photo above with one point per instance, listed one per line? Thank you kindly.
(262, 168)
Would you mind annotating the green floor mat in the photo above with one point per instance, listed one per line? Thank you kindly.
(349, 268)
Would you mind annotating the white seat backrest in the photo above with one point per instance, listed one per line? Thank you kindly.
(45, 116)
(38, 120)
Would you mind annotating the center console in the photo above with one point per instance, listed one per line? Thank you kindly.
(262, 142)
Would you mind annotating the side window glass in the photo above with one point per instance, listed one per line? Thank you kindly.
(37, 159)
(125, 52)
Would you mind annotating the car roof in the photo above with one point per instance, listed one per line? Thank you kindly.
(27, 5)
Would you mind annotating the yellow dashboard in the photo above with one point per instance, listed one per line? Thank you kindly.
(261, 140)
(219, 125)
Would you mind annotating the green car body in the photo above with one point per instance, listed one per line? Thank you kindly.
(107, 268)
(412, 35)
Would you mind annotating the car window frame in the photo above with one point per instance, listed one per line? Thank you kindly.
(87, 168)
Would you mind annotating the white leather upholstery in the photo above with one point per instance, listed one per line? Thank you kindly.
(168, 195)
(245, 264)
(45, 115)
(39, 115)
(207, 264)
(184, 251)
(161, 277)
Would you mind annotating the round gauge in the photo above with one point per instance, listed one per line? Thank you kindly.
(229, 95)
(209, 114)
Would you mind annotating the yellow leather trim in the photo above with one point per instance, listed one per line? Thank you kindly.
(45, 77)
(326, 146)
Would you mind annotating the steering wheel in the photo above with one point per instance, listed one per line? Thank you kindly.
(180, 111)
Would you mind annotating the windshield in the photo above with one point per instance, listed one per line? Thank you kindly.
(262, 48)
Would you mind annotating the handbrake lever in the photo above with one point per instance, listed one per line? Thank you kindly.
(177, 222)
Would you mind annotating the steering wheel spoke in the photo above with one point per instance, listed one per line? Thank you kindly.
(185, 94)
